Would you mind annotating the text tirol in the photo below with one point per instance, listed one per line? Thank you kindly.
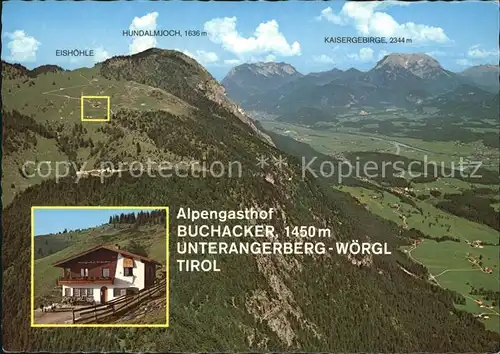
(195, 265)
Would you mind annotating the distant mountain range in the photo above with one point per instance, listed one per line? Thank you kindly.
(252, 78)
(16, 70)
(483, 75)
(396, 81)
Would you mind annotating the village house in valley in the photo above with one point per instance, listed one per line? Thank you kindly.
(103, 273)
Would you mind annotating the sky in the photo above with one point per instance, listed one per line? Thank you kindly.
(458, 34)
(48, 221)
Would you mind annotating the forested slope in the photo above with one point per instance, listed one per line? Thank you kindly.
(326, 303)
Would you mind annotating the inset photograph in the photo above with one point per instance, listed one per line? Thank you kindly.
(99, 267)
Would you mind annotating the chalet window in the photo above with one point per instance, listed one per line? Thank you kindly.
(67, 292)
(83, 292)
(119, 292)
(105, 272)
(128, 271)
(84, 272)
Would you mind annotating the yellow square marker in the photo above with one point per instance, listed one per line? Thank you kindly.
(108, 109)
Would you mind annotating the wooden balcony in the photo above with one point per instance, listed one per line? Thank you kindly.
(84, 280)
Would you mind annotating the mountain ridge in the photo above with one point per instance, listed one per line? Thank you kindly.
(202, 82)
(419, 64)
(487, 76)
(392, 82)
(11, 70)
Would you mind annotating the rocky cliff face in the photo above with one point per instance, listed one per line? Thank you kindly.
(217, 93)
(433, 78)
(248, 79)
(421, 65)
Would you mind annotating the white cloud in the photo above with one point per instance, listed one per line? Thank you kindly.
(146, 22)
(270, 58)
(206, 57)
(201, 56)
(22, 47)
(382, 53)
(101, 55)
(476, 55)
(266, 39)
(326, 59)
(233, 61)
(364, 55)
(436, 53)
(369, 22)
(323, 59)
(476, 52)
(327, 14)
(187, 52)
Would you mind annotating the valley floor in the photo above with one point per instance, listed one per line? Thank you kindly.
(452, 264)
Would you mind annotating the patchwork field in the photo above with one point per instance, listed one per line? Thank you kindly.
(448, 250)
(330, 138)
(446, 260)
(448, 264)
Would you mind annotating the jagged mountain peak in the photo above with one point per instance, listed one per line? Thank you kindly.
(353, 70)
(419, 64)
(267, 69)
(322, 73)
(406, 60)
(252, 78)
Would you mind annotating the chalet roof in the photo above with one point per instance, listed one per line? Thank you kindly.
(114, 249)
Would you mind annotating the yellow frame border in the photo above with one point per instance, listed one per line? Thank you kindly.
(107, 119)
(167, 261)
